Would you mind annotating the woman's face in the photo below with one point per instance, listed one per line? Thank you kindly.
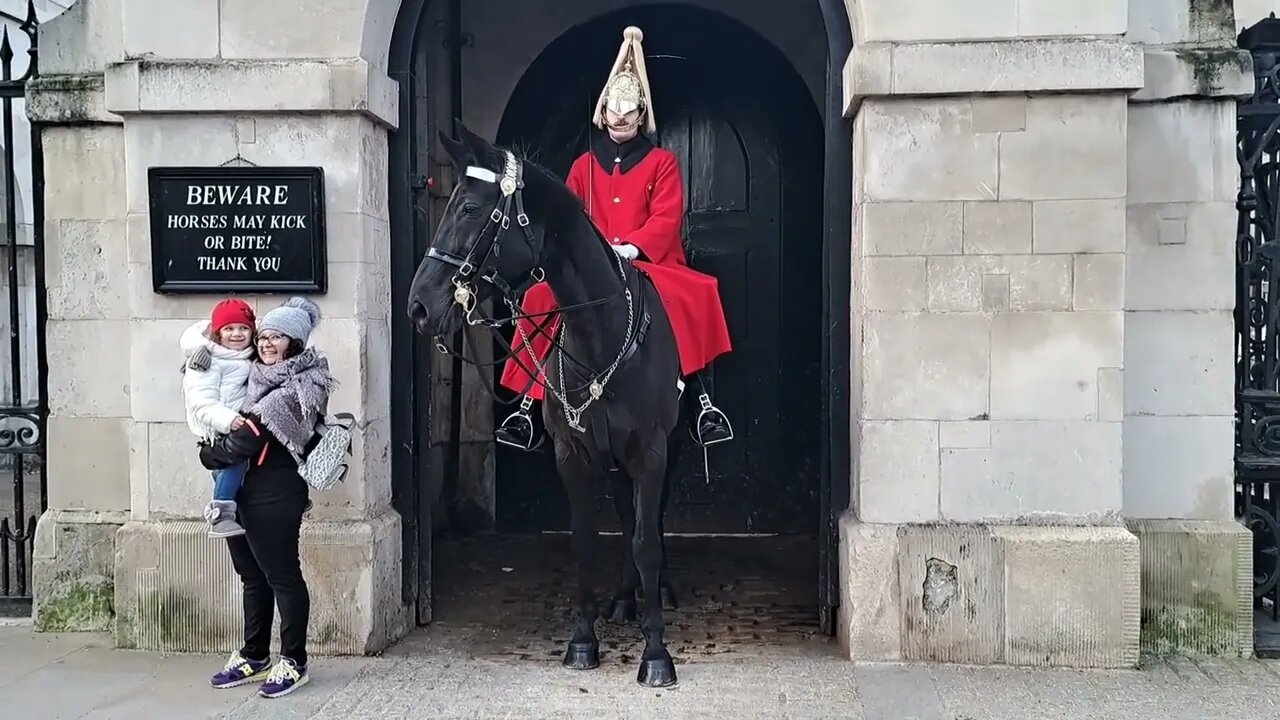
(272, 347)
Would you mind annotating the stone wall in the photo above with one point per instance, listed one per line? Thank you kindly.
(989, 268)
(1179, 390)
(113, 341)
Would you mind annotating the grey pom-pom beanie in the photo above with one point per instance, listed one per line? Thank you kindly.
(297, 317)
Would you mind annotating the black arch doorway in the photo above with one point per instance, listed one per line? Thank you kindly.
(748, 138)
(416, 463)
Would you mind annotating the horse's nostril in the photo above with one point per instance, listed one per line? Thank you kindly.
(418, 314)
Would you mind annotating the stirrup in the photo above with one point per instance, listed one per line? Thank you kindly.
(716, 413)
(520, 423)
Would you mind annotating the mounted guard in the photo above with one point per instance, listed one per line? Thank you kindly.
(633, 192)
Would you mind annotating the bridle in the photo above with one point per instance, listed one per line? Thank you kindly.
(470, 269)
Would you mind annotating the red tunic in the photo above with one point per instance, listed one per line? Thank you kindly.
(643, 206)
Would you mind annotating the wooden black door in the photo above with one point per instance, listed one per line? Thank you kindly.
(752, 171)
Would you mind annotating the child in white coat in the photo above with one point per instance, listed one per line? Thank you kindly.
(215, 380)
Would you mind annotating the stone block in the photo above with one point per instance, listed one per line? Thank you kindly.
(1098, 282)
(927, 367)
(1071, 596)
(1071, 149)
(949, 582)
(1044, 365)
(1197, 587)
(1179, 467)
(1195, 274)
(1183, 152)
(898, 472)
(175, 591)
(1249, 12)
(68, 99)
(172, 30)
(146, 304)
(1110, 394)
(155, 358)
(958, 284)
(85, 270)
(1195, 73)
(94, 156)
(1035, 472)
(88, 373)
(870, 622)
(927, 150)
(1079, 226)
(938, 20)
(911, 228)
(997, 228)
(88, 463)
(1160, 22)
(893, 283)
(868, 72)
(81, 39)
(252, 30)
(1082, 17)
(1016, 66)
(991, 594)
(1179, 363)
(72, 571)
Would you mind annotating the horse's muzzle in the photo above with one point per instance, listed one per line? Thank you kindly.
(419, 316)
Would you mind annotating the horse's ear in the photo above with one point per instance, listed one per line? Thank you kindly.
(459, 152)
(480, 147)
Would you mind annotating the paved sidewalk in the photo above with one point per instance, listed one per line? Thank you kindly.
(66, 677)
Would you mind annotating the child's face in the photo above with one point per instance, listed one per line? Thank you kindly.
(236, 336)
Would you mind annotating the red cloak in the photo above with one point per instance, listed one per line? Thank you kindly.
(639, 200)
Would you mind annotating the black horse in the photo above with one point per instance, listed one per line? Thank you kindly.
(611, 376)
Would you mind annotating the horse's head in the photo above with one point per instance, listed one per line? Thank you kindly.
(485, 243)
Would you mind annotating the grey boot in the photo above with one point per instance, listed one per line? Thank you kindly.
(221, 515)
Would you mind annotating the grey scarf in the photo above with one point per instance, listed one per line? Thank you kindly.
(291, 396)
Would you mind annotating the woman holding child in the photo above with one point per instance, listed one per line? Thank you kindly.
(287, 392)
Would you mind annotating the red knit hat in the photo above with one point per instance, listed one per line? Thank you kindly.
(229, 312)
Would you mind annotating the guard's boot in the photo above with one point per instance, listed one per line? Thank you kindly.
(712, 424)
(517, 429)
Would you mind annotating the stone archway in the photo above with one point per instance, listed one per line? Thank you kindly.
(411, 439)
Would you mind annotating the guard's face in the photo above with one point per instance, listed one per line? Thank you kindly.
(622, 127)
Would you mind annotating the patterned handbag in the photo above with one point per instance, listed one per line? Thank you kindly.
(325, 466)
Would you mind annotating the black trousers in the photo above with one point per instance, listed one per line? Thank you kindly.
(266, 559)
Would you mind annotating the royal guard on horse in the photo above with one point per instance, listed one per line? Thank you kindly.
(632, 191)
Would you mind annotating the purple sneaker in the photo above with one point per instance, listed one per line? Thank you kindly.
(285, 677)
(240, 671)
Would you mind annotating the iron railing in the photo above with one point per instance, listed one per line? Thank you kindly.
(23, 406)
(1257, 314)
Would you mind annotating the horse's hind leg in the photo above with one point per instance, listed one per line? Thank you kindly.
(656, 667)
(583, 652)
(622, 608)
(668, 592)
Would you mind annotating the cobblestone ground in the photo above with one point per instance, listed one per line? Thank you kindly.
(76, 676)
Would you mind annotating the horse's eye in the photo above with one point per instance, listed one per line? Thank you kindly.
(471, 209)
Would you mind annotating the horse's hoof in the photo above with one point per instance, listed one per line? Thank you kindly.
(582, 656)
(657, 673)
(668, 598)
(623, 611)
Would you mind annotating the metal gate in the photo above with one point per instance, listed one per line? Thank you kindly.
(23, 406)
(1257, 319)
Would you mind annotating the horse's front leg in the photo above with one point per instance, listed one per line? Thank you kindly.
(583, 652)
(656, 667)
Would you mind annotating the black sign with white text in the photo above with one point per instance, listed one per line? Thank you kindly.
(237, 229)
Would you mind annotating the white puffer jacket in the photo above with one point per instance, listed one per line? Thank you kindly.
(214, 396)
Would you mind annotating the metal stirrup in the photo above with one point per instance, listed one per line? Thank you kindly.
(707, 408)
(523, 415)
